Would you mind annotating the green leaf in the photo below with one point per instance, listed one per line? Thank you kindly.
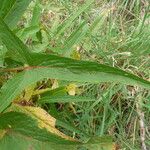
(26, 32)
(72, 71)
(5, 7)
(20, 142)
(69, 21)
(36, 14)
(74, 38)
(26, 125)
(55, 67)
(12, 10)
(64, 99)
(14, 45)
(85, 71)
(2, 55)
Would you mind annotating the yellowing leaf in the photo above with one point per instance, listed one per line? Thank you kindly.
(41, 114)
(44, 119)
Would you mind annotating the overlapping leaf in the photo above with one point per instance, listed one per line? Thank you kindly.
(69, 21)
(17, 142)
(34, 124)
(12, 10)
(24, 124)
(15, 47)
(64, 99)
(55, 67)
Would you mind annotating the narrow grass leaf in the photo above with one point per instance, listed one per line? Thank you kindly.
(12, 10)
(5, 7)
(74, 38)
(36, 14)
(15, 47)
(69, 21)
(64, 99)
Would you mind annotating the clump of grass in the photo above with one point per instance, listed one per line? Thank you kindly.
(118, 35)
(115, 33)
(120, 38)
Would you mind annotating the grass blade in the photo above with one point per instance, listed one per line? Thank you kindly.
(55, 67)
(15, 47)
(12, 9)
(69, 21)
(65, 99)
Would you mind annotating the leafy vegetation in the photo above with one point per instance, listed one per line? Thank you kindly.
(74, 75)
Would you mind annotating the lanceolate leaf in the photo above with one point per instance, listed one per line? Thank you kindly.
(29, 126)
(15, 47)
(76, 71)
(48, 122)
(12, 10)
(20, 142)
(64, 99)
(39, 126)
(69, 21)
(45, 121)
(85, 71)
(51, 66)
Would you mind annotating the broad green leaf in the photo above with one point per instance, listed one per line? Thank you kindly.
(29, 126)
(69, 21)
(20, 142)
(45, 121)
(48, 122)
(55, 67)
(15, 47)
(67, 69)
(12, 10)
(64, 99)
(36, 124)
